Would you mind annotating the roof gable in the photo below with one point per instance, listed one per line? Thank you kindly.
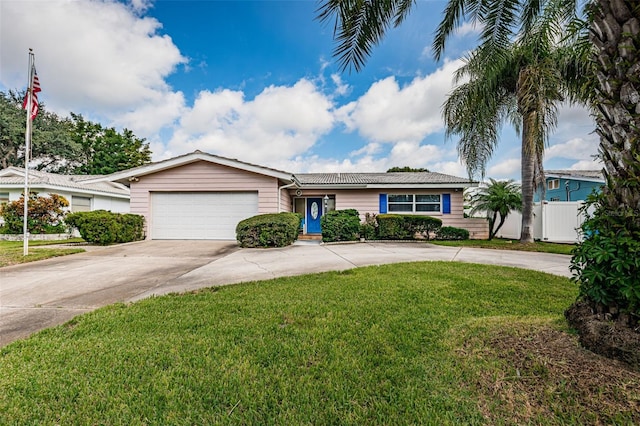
(131, 174)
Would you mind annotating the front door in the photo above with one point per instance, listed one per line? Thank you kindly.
(314, 212)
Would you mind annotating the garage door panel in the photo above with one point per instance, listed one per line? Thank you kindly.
(200, 215)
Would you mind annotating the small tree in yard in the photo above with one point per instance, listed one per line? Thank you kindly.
(45, 214)
(497, 199)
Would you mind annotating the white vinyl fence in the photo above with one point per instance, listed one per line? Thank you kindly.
(556, 221)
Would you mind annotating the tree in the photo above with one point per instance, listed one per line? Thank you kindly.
(52, 148)
(406, 169)
(521, 84)
(606, 264)
(517, 81)
(63, 145)
(105, 150)
(497, 200)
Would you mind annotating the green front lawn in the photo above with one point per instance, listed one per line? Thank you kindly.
(418, 343)
(503, 244)
(12, 252)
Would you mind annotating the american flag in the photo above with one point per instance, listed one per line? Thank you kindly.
(34, 96)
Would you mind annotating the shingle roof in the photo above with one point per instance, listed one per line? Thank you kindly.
(397, 178)
(38, 178)
(588, 174)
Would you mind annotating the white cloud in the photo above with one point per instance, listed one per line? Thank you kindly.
(341, 87)
(390, 113)
(280, 123)
(468, 27)
(96, 57)
(593, 164)
(505, 169)
(574, 149)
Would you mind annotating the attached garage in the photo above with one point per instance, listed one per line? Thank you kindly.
(200, 215)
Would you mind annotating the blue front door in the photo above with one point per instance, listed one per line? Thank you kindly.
(314, 212)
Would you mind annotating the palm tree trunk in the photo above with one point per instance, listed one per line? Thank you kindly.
(615, 32)
(528, 160)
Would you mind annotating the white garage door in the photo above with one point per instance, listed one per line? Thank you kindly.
(200, 215)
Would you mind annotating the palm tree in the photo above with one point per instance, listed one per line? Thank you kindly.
(517, 81)
(615, 33)
(497, 200)
(521, 83)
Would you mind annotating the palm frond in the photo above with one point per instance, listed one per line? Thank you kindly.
(359, 25)
(454, 12)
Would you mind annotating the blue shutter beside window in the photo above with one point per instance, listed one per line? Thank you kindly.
(383, 203)
(446, 203)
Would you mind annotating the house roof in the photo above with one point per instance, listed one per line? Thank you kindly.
(13, 177)
(590, 175)
(380, 180)
(306, 180)
(127, 175)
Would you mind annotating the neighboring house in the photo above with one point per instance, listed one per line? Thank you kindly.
(559, 216)
(82, 195)
(204, 196)
(570, 185)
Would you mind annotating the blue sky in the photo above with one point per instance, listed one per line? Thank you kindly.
(256, 80)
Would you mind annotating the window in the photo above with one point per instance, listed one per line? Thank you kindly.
(414, 203)
(553, 184)
(80, 204)
(4, 198)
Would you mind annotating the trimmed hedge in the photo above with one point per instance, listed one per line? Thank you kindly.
(452, 233)
(340, 225)
(104, 227)
(268, 230)
(405, 227)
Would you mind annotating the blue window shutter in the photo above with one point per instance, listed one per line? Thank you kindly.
(383, 203)
(446, 203)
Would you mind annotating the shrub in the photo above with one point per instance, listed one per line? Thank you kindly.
(104, 227)
(369, 228)
(452, 233)
(422, 225)
(268, 230)
(606, 264)
(340, 225)
(45, 215)
(405, 227)
(391, 227)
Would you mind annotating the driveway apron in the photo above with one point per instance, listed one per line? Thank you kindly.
(41, 294)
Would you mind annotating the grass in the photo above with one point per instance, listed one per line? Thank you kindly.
(394, 344)
(12, 252)
(502, 244)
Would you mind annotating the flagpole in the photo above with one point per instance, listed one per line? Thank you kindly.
(27, 143)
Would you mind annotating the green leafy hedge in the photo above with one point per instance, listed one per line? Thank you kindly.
(268, 230)
(405, 227)
(340, 225)
(606, 264)
(452, 233)
(104, 227)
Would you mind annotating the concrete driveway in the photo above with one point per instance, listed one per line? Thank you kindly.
(38, 295)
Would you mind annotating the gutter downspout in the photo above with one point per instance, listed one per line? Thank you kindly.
(280, 188)
(569, 190)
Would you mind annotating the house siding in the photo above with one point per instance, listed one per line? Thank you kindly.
(368, 201)
(580, 189)
(205, 177)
